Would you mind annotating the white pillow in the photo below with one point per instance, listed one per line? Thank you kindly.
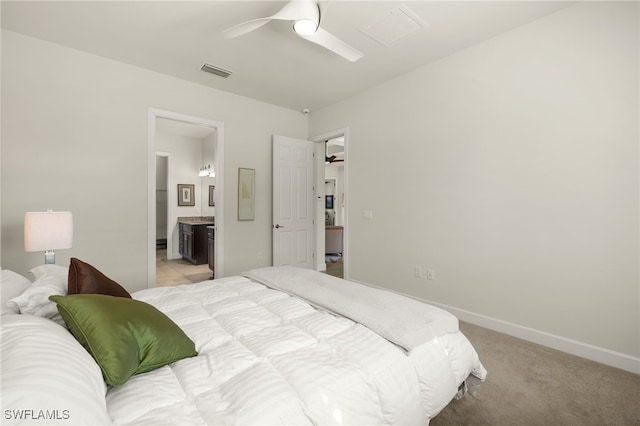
(47, 376)
(47, 269)
(12, 284)
(35, 299)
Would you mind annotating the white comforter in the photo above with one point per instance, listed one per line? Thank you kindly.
(266, 357)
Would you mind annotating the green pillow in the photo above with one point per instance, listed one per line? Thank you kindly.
(124, 336)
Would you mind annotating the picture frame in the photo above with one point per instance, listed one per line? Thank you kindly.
(212, 201)
(246, 194)
(186, 194)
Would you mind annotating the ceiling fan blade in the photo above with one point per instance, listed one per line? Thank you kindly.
(333, 43)
(245, 27)
(298, 9)
(292, 11)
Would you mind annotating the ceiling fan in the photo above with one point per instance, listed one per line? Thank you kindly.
(329, 159)
(306, 16)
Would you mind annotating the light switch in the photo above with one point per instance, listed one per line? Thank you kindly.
(367, 214)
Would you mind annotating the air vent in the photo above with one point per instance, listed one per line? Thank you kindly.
(221, 72)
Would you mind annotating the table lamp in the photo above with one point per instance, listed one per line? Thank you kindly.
(48, 231)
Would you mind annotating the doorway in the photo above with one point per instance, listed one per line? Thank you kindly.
(181, 147)
(332, 167)
(334, 206)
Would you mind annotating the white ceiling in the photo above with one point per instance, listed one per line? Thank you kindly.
(271, 64)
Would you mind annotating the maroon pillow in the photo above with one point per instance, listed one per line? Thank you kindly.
(85, 279)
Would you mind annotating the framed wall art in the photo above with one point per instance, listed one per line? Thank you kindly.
(186, 194)
(246, 194)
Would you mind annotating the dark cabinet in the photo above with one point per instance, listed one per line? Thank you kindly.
(193, 245)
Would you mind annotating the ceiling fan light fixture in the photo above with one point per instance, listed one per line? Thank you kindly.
(305, 16)
(305, 27)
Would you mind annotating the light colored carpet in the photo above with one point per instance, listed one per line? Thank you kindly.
(529, 384)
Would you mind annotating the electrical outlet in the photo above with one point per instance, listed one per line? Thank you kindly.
(431, 274)
(418, 271)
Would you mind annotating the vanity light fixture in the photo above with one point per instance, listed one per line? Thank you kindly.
(206, 172)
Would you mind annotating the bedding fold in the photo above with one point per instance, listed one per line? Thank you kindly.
(405, 322)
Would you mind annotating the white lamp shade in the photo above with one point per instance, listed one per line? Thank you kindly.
(48, 230)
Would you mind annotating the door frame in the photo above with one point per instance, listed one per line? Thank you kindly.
(319, 166)
(152, 115)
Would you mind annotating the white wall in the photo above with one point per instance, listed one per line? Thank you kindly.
(74, 137)
(514, 176)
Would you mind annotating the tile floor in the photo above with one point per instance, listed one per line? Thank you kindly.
(178, 271)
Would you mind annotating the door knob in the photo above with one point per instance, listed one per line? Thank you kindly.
(278, 226)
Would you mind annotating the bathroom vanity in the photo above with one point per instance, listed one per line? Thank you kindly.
(194, 239)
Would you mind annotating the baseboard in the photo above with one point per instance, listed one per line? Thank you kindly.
(573, 347)
(321, 267)
(563, 344)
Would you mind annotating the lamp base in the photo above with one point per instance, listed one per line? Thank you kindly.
(49, 257)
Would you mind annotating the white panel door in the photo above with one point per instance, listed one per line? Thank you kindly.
(293, 228)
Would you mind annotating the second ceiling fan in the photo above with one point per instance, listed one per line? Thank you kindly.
(306, 16)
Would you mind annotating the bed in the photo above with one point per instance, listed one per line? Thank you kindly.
(272, 346)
